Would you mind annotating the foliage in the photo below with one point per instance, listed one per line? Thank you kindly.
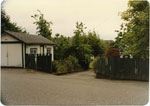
(114, 45)
(94, 64)
(61, 48)
(43, 26)
(83, 53)
(133, 37)
(69, 64)
(82, 46)
(6, 23)
(78, 49)
(109, 42)
(97, 45)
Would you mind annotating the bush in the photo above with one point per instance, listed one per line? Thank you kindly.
(69, 64)
(94, 64)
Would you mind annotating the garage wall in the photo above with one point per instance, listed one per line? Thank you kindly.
(11, 55)
(40, 49)
(23, 54)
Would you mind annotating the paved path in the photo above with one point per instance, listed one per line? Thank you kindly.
(24, 87)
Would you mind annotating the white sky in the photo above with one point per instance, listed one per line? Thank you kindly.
(100, 15)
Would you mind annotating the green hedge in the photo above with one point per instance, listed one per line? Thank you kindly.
(69, 64)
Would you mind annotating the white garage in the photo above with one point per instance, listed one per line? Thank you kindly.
(15, 45)
(11, 55)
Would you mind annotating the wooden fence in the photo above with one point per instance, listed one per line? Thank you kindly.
(123, 68)
(39, 62)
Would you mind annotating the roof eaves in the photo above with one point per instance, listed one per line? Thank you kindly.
(14, 36)
(40, 44)
(33, 43)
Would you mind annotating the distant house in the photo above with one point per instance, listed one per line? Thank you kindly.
(113, 52)
(15, 45)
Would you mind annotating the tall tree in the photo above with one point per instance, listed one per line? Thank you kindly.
(133, 37)
(80, 50)
(80, 27)
(62, 45)
(43, 26)
(6, 23)
(97, 45)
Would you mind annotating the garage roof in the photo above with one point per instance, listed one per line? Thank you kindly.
(30, 39)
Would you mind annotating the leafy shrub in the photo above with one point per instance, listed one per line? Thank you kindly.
(54, 65)
(69, 64)
(94, 64)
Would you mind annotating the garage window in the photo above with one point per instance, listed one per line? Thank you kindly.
(33, 51)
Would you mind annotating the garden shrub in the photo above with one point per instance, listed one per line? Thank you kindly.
(94, 64)
(67, 65)
(55, 65)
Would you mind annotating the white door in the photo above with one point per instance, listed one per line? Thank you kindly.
(11, 55)
(4, 55)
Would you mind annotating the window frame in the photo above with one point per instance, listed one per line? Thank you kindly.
(33, 49)
(48, 49)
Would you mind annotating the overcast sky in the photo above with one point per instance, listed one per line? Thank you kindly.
(99, 15)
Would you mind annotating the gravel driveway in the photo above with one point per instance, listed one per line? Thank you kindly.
(26, 87)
